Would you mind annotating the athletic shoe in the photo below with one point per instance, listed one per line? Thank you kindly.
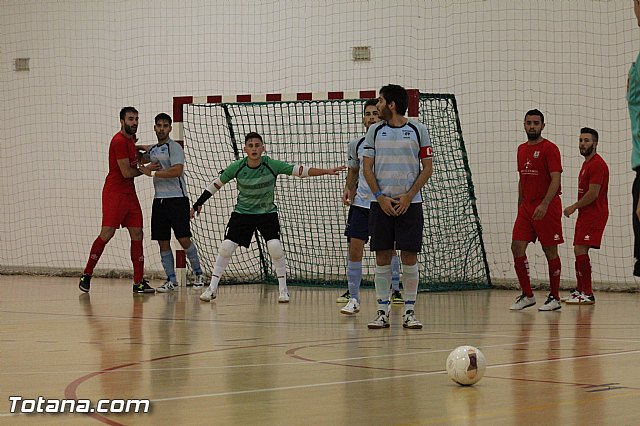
(552, 304)
(582, 299)
(209, 294)
(353, 307)
(143, 287)
(572, 293)
(198, 282)
(636, 269)
(381, 320)
(85, 283)
(523, 302)
(396, 298)
(344, 298)
(410, 320)
(283, 297)
(167, 287)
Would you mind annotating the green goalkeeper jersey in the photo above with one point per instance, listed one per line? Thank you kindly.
(255, 185)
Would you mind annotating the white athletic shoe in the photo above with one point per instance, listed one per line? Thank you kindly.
(199, 281)
(523, 302)
(208, 295)
(352, 307)
(552, 304)
(283, 297)
(167, 287)
(572, 294)
(381, 320)
(410, 321)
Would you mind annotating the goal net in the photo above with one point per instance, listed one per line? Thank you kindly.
(312, 217)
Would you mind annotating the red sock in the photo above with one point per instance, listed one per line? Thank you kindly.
(583, 269)
(554, 277)
(94, 255)
(522, 271)
(137, 258)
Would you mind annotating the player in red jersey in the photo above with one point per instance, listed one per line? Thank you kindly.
(539, 211)
(593, 212)
(120, 205)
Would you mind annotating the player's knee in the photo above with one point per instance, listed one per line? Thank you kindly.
(185, 242)
(226, 248)
(275, 249)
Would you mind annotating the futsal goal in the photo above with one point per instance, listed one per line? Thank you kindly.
(314, 129)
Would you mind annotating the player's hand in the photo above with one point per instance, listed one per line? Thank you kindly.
(154, 166)
(335, 170)
(387, 204)
(348, 196)
(193, 213)
(403, 203)
(569, 210)
(540, 211)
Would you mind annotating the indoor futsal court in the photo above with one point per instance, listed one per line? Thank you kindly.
(245, 359)
(180, 89)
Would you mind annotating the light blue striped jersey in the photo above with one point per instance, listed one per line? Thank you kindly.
(355, 149)
(168, 154)
(396, 151)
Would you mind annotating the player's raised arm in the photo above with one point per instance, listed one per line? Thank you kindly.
(305, 171)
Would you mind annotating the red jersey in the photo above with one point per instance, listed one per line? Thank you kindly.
(120, 147)
(535, 165)
(594, 172)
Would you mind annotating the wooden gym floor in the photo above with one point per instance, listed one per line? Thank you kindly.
(244, 359)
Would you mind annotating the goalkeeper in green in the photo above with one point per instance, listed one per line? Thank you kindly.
(255, 175)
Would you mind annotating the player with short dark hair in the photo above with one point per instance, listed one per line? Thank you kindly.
(593, 212)
(397, 164)
(170, 208)
(539, 211)
(255, 175)
(357, 196)
(120, 205)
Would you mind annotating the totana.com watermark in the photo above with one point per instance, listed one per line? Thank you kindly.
(43, 405)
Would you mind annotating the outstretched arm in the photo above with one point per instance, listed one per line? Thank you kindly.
(334, 171)
(304, 171)
(126, 169)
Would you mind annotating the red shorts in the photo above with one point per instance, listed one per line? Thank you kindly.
(121, 210)
(548, 229)
(587, 235)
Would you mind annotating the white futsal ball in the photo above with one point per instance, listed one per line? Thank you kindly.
(466, 365)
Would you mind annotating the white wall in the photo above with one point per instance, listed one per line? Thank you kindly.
(500, 58)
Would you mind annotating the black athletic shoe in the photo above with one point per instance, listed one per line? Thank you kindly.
(85, 283)
(636, 269)
(143, 287)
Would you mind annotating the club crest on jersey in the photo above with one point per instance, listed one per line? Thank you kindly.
(406, 134)
(536, 154)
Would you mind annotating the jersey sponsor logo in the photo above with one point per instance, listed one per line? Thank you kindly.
(406, 134)
(527, 170)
